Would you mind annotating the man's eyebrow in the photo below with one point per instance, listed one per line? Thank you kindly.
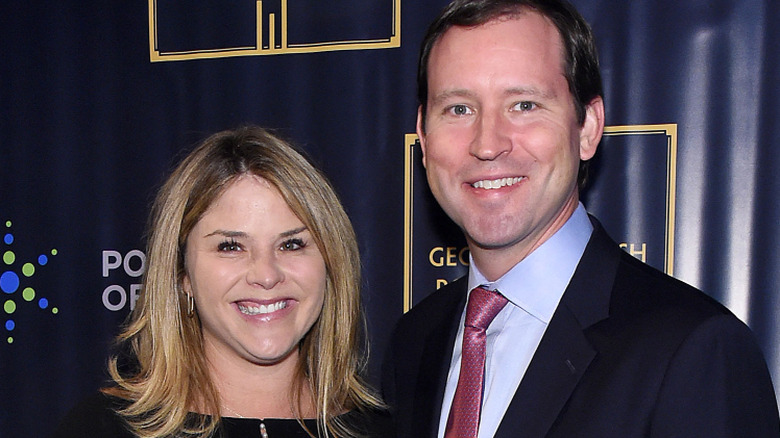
(448, 94)
(512, 91)
(529, 91)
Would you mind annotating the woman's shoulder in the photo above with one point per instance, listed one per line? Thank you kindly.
(94, 416)
(373, 422)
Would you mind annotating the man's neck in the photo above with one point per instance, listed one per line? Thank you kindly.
(495, 262)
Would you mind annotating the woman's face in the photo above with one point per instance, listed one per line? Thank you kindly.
(256, 273)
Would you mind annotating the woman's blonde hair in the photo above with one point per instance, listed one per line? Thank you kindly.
(168, 374)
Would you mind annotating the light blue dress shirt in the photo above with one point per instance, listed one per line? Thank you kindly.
(534, 287)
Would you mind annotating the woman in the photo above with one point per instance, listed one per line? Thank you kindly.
(250, 321)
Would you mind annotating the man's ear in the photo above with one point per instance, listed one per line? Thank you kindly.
(421, 132)
(592, 128)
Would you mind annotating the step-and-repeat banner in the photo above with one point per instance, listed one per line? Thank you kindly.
(99, 99)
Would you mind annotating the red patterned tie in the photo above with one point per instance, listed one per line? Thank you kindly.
(463, 421)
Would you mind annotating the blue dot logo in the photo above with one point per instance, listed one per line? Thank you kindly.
(10, 281)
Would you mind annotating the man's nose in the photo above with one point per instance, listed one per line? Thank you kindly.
(491, 139)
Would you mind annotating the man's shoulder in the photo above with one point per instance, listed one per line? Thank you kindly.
(654, 311)
(640, 285)
(449, 294)
(630, 296)
(439, 304)
(637, 287)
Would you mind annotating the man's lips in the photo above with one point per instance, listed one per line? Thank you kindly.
(497, 183)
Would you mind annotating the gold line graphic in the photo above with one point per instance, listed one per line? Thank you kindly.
(409, 141)
(156, 55)
(670, 130)
(259, 21)
(284, 24)
(271, 31)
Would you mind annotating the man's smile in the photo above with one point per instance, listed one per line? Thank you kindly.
(496, 183)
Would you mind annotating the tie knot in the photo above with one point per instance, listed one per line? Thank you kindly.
(483, 306)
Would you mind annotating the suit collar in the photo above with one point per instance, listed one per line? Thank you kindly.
(564, 352)
(590, 290)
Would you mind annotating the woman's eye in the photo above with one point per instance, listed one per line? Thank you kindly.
(293, 245)
(460, 110)
(229, 245)
(525, 106)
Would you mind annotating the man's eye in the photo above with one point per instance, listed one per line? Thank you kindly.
(460, 110)
(293, 245)
(525, 106)
(229, 245)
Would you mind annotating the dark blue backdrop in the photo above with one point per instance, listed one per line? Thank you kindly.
(98, 99)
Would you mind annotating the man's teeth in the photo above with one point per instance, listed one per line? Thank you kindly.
(496, 183)
(262, 308)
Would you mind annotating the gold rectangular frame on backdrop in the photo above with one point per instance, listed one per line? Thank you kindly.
(271, 47)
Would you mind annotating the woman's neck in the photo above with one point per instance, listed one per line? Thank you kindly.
(253, 390)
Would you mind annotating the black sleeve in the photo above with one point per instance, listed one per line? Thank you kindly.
(94, 417)
(374, 423)
(717, 386)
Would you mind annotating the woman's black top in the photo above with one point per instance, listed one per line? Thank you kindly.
(95, 417)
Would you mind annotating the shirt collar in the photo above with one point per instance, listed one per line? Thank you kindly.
(536, 283)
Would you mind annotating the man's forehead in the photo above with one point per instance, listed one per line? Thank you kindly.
(526, 15)
(458, 36)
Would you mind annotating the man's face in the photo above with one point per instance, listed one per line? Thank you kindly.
(502, 143)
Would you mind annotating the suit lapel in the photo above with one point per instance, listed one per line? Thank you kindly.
(437, 354)
(564, 352)
(562, 357)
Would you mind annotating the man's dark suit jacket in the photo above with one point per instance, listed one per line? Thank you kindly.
(629, 352)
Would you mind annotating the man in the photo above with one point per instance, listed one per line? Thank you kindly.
(586, 341)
